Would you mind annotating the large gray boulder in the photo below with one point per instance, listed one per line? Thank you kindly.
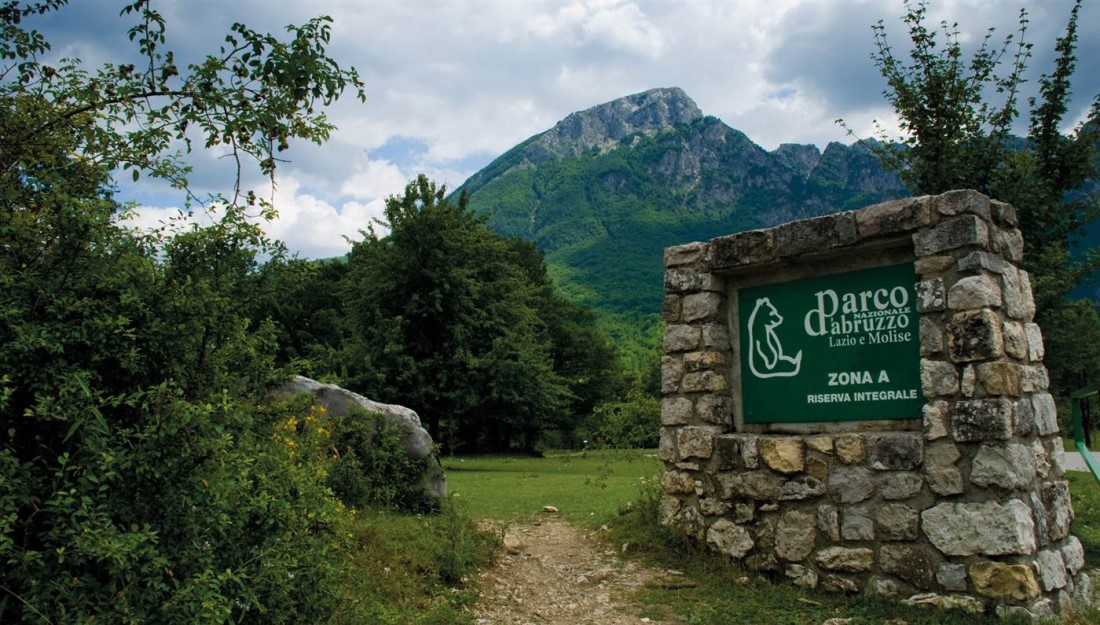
(417, 441)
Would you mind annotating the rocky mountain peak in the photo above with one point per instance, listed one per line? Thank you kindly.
(604, 126)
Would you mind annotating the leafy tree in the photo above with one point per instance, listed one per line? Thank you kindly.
(138, 483)
(957, 116)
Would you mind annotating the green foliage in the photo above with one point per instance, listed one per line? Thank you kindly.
(957, 116)
(634, 423)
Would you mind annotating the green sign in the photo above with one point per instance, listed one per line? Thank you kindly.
(842, 347)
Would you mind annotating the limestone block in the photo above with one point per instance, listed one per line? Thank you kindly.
(1023, 417)
(931, 337)
(1018, 300)
(974, 335)
(980, 260)
(666, 449)
(896, 486)
(677, 483)
(809, 236)
(938, 378)
(856, 524)
(944, 478)
(684, 254)
(688, 520)
(801, 576)
(794, 537)
(965, 230)
(937, 417)
(696, 441)
(849, 448)
(1073, 555)
(716, 409)
(962, 202)
(982, 420)
(818, 468)
(802, 487)
(1000, 378)
(896, 452)
(968, 384)
(896, 521)
(931, 296)
(1046, 413)
(828, 522)
(882, 587)
(704, 382)
(711, 506)
(785, 455)
(821, 444)
(973, 292)
(946, 602)
(1052, 569)
(988, 528)
(1034, 379)
(675, 411)
(1007, 243)
(952, 577)
(1059, 514)
(730, 539)
(716, 336)
(1003, 213)
(851, 484)
(1015, 339)
(689, 279)
(934, 266)
(914, 564)
(1042, 518)
(1035, 349)
(681, 338)
(673, 306)
(1082, 590)
(701, 306)
(894, 216)
(845, 559)
(839, 583)
(750, 454)
(1011, 467)
(701, 361)
(1004, 581)
(755, 247)
(756, 485)
(744, 512)
(1042, 460)
(672, 372)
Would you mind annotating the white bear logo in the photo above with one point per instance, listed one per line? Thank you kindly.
(766, 357)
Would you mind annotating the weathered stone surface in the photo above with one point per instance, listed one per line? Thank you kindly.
(989, 528)
(931, 337)
(1035, 349)
(757, 485)
(785, 455)
(820, 444)
(974, 335)
(851, 484)
(893, 217)
(845, 560)
(730, 539)
(415, 439)
(1004, 581)
(882, 587)
(968, 384)
(1073, 555)
(801, 576)
(672, 372)
(1003, 213)
(1052, 570)
(810, 236)
(1082, 590)
(666, 449)
(1034, 379)
(701, 306)
(1023, 417)
(1046, 413)
(937, 418)
(972, 292)
(951, 234)
(896, 521)
(794, 537)
(1059, 514)
(689, 279)
(944, 478)
(711, 506)
(911, 563)
(677, 483)
(687, 519)
(750, 454)
(1019, 303)
(1000, 378)
(1010, 466)
(716, 409)
(938, 378)
(704, 382)
(931, 296)
(946, 602)
(977, 261)
(896, 452)
(704, 360)
(828, 522)
(849, 448)
(962, 202)
(952, 577)
(681, 338)
(716, 336)
(982, 420)
(696, 441)
(838, 583)
(1015, 340)
(755, 247)
(672, 308)
(1008, 243)
(934, 266)
(803, 487)
(684, 254)
(901, 486)
(675, 411)
(857, 524)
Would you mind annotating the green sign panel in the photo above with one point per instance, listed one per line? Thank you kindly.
(842, 347)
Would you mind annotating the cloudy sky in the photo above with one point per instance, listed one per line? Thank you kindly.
(452, 85)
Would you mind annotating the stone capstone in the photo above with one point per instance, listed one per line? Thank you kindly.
(416, 440)
(989, 528)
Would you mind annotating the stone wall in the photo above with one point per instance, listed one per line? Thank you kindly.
(965, 507)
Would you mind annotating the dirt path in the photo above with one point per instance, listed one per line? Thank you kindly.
(554, 574)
